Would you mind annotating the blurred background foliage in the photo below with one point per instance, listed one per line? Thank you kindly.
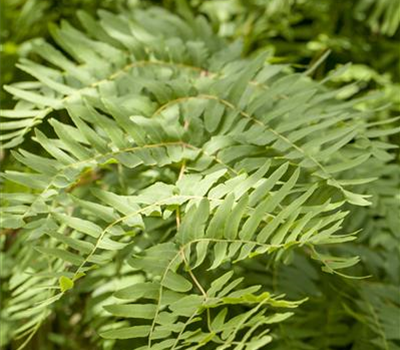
(300, 32)
(364, 32)
(22, 21)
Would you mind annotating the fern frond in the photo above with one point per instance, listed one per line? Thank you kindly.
(176, 164)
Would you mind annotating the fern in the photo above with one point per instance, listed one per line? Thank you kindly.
(169, 166)
(382, 16)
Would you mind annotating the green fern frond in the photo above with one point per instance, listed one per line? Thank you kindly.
(168, 163)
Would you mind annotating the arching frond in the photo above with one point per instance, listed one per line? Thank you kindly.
(167, 165)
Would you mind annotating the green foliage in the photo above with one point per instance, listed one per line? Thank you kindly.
(361, 31)
(183, 195)
(22, 21)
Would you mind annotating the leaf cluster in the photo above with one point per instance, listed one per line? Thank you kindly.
(182, 196)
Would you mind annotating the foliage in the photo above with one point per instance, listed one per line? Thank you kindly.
(188, 191)
(362, 31)
(21, 21)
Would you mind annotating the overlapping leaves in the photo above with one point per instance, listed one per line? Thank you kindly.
(181, 162)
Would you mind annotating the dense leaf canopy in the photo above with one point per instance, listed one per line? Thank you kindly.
(165, 191)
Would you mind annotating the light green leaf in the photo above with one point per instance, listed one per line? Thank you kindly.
(65, 283)
(126, 332)
(144, 311)
(176, 282)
